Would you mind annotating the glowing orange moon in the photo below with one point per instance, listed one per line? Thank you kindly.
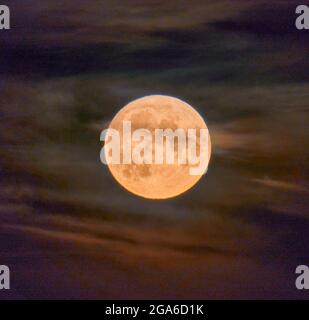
(157, 181)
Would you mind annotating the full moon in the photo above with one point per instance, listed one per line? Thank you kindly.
(157, 181)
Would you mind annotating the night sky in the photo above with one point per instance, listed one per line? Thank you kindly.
(68, 230)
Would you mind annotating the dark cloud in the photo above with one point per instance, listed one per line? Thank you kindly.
(266, 19)
(212, 44)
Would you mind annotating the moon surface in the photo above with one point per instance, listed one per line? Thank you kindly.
(157, 181)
